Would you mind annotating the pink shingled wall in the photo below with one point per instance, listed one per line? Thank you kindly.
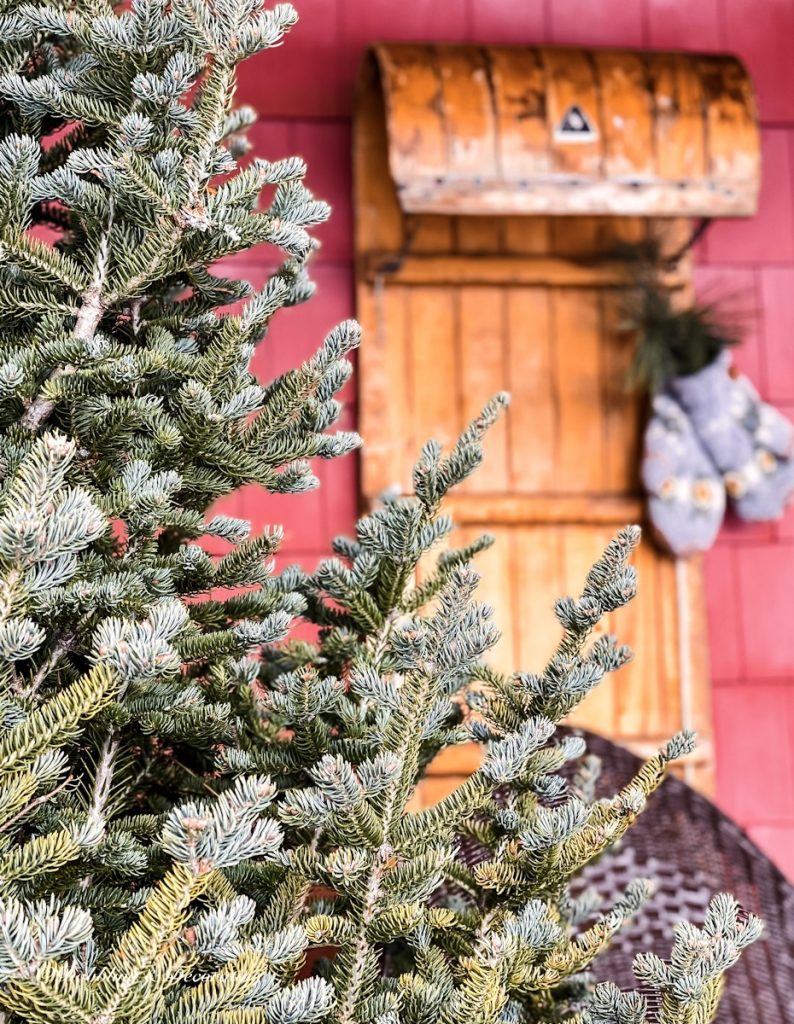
(304, 94)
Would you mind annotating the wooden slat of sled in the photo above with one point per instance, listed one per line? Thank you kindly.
(467, 112)
(417, 142)
(575, 332)
(461, 269)
(533, 411)
(386, 408)
(482, 373)
(679, 124)
(628, 129)
(519, 91)
(571, 81)
(732, 122)
(484, 131)
(456, 307)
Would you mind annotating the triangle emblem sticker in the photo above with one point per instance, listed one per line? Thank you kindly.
(575, 126)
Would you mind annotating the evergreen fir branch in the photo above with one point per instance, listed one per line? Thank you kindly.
(20, 301)
(225, 990)
(33, 858)
(35, 256)
(690, 982)
(58, 719)
(50, 994)
(18, 799)
(147, 942)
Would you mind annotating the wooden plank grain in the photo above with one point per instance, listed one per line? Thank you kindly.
(696, 694)
(637, 686)
(626, 123)
(533, 416)
(434, 787)
(518, 80)
(433, 367)
(623, 411)
(577, 347)
(384, 399)
(467, 112)
(377, 216)
(671, 712)
(577, 238)
(481, 236)
(616, 233)
(417, 139)
(430, 233)
(462, 760)
(732, 122)
(526, 509)
(567, 195)
(570, 81)
(496, 590)
(460, 269)
(679, 122)
(538, 569)
(483, 373)
(527, 236)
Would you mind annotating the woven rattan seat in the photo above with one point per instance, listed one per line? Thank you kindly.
(691, 849)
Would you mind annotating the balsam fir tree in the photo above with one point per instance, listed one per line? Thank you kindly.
(190, 802)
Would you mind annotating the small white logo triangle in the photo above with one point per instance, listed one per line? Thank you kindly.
(575, 126)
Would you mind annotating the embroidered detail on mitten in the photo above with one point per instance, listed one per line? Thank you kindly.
(686, 496)
(748, 440)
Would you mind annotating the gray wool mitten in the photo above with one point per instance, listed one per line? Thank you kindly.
(749, 441)
(686, 496)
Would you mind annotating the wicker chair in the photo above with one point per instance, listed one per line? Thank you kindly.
(692, 850)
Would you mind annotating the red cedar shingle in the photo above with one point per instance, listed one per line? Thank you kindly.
(766, 572)
(505, 21)
(677, 26)
(609, 23)
(308, 75)
(325, 146)
(755, 779)
(777, 298)
(761, 33)
(722, 591)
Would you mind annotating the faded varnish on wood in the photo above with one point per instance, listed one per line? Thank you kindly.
(501, 130)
